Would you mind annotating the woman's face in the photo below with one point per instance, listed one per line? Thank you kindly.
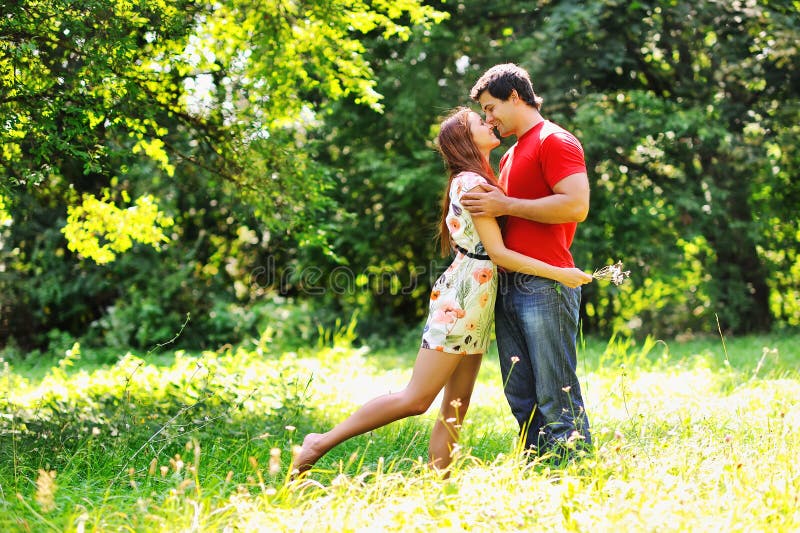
(482, 133)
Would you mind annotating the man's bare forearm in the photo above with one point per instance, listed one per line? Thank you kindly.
(568, 203)
(554, 209)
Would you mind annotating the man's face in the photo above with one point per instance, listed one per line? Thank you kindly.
(499, 113)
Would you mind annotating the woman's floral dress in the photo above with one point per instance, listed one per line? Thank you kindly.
(462, 299)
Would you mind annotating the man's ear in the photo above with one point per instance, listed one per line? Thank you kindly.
(514, 96)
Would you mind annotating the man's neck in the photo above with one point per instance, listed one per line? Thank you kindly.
(530, 117)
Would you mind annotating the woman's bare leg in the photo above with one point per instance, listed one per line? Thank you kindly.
(457, 395)
(432, 370)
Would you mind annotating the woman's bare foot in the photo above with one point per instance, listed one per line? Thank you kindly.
(308, 454)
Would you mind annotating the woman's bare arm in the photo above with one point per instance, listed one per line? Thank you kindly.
(492, 239)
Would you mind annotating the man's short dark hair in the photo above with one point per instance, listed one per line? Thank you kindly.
(500, 80)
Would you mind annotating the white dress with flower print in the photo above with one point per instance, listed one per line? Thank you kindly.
(462, 300)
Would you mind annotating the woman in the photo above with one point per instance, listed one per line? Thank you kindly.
(458, 328)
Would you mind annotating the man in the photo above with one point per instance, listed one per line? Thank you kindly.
(546, 195)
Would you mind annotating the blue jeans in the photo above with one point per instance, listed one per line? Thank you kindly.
(536, 323)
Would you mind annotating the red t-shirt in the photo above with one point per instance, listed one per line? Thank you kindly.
(530, 169)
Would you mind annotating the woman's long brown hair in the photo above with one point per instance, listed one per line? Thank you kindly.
(460, 154)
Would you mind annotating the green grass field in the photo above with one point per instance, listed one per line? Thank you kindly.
(699, 435)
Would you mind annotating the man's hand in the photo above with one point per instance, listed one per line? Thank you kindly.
(574, 277)
(489, 201)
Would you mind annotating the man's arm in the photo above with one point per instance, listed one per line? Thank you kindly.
(568, 203)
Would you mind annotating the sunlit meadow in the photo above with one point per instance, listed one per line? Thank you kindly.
(690, 436)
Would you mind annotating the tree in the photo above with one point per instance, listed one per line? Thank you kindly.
(676, 105)
(105, 101)
(88, 81)
(683, 103)
(687, 111)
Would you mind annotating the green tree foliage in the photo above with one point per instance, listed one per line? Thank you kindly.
(117, 113)
(682, 108)
(389, 177)
(686, 111)
(89, 87)
(290, 143)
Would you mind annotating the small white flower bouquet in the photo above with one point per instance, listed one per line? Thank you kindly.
(612, 273)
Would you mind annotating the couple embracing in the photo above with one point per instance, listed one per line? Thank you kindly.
(522, 278)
